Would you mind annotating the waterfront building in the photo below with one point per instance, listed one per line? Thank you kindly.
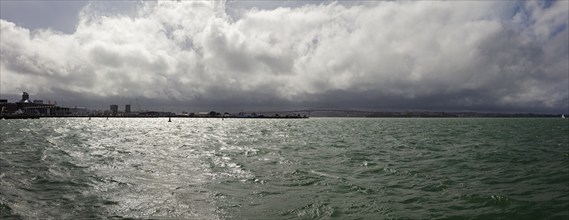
(114, 109)
(25, 98)
(27, 107)
(127, 109)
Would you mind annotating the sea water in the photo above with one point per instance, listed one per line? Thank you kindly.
(318, 168)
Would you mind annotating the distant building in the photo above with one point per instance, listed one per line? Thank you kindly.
(25, 98)
(127, 109)
(79, 111)
(114, 109)
(3, 100)
(37, 107)
(154, 113)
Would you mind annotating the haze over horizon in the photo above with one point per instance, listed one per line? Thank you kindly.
(493, 56)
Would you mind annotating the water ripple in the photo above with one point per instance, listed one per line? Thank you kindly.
(284, 169)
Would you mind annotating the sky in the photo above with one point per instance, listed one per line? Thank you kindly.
(491, 56)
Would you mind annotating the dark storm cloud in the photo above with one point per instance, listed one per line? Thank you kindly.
(503, 56)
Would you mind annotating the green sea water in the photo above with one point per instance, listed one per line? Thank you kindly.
(318, 168)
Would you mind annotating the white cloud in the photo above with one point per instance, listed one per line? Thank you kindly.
(476, 53)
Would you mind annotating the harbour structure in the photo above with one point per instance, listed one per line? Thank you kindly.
(27, 107)
(127, 109)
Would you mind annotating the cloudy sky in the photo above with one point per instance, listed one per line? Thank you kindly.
(506, 56)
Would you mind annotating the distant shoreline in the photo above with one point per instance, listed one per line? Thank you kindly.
(281, 117)
(142, 116)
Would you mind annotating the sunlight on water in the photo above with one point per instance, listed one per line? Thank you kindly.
(280, 169)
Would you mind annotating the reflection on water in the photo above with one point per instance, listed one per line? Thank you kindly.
(281, 169)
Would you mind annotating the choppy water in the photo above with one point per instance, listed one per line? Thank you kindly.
(319, 168)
